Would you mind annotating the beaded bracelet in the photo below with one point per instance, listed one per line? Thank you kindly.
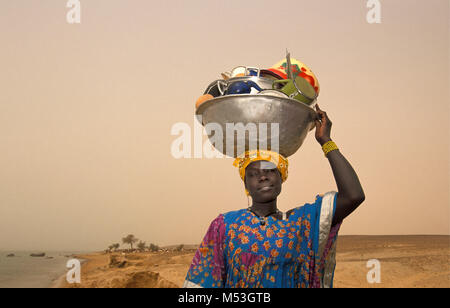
(328, 147)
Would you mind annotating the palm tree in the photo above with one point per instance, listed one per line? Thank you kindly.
(130, 239)
(116, 246)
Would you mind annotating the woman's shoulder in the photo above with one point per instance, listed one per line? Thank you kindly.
(312, 205)
(307, 206)
(228, 217)
(233, 215)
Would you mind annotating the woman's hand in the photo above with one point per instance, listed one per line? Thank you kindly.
(323, 126)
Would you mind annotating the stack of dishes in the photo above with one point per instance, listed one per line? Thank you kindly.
(288, 78)
(284, 93)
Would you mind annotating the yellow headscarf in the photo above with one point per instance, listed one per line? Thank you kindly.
(255, 155)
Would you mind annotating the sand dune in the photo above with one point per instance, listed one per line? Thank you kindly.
(405, 261)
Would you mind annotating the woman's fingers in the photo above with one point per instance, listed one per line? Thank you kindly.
(320, 111)
(321, 115)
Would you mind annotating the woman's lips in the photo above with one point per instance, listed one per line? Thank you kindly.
(265, 188)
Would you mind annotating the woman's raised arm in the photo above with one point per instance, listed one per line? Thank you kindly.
(350, 193)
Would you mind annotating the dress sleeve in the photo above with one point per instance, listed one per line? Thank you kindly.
(327, 239)
(327, 209)
(208, 266)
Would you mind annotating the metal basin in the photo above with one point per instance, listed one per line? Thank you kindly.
(293, 118)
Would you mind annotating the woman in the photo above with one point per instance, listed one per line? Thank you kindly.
(262, 247)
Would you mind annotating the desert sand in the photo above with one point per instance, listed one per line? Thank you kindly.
(405, 261)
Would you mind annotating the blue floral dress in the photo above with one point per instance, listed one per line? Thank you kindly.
(297, 252)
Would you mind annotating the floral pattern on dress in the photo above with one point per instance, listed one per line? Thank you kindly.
(239, 252)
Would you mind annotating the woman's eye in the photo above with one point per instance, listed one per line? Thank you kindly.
(269, 170)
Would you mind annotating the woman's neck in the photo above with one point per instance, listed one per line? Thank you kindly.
(264, 208)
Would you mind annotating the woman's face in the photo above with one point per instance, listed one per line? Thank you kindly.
(263, 181)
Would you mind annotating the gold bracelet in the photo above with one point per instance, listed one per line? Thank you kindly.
(328, 147)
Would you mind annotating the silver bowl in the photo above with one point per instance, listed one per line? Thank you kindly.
(294, 119)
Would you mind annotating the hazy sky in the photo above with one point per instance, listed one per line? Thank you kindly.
(86, 112)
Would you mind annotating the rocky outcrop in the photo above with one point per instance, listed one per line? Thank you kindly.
(147, 279)
(37, 254)
(114, 262)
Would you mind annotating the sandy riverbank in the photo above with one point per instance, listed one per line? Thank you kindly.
(142, 270)
(406, 261)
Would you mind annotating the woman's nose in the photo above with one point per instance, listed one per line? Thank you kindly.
(263, 177)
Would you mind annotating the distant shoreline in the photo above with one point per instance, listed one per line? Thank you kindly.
(189, 246)
(18, 269)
